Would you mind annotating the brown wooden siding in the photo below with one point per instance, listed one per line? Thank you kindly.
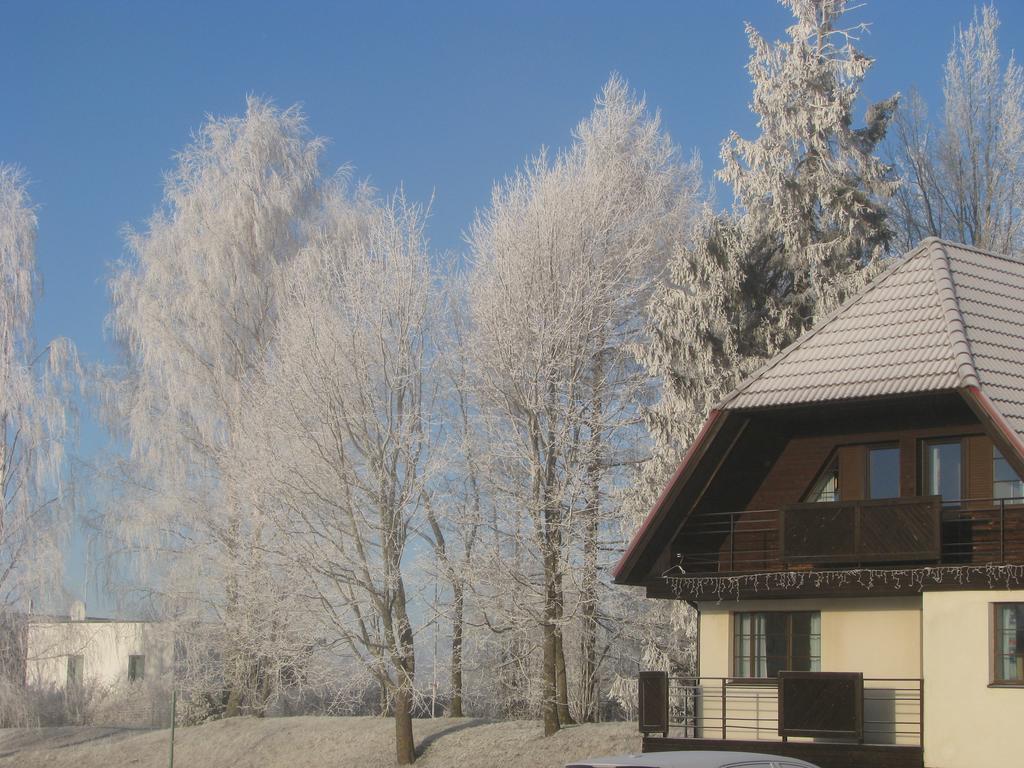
(804, 457)
(725, 535)
(978, 463)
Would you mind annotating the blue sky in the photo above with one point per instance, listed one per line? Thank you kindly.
(442, 97)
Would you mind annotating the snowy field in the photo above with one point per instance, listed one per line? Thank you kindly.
(298, 742)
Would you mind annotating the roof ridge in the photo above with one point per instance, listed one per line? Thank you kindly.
(955, 330)
(785, 352)
(935, 240)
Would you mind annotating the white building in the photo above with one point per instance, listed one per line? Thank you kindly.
(93, 651)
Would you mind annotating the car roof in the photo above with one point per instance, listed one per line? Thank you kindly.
(686, 759)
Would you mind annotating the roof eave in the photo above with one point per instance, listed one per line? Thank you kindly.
(621, 573)
(1007, 439)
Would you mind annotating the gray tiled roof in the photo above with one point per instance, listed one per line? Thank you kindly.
(944, 316)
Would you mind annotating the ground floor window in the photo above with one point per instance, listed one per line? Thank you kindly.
(1009, 643)
(766, 643)
(76, 670)
(136, 668)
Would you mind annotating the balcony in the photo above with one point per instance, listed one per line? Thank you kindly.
(889, 533)
(831, 719)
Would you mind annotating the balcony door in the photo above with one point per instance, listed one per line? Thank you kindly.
(944, 469)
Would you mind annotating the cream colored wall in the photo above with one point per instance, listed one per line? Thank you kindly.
(104, 646)
(879, 637)
(967, 723)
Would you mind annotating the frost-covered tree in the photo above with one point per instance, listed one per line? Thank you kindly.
(964, 179)
(808, 223)
(37, 424)
(194, 308)
(456, 509)
(338, 438)
(563, 259)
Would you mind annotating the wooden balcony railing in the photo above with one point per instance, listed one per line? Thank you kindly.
(887, 711)
(909, 531)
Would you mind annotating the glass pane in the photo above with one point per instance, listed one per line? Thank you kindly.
(1010, 643)
(944, 470)
(1007, 483)
(884, 472)
(826, 487)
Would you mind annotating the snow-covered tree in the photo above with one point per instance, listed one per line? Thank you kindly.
(194, 307)
(338, 438)
(563, 259)
(808, 224)
(964, 179)
(37, 424)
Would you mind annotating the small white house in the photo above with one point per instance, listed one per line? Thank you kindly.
(80, 650)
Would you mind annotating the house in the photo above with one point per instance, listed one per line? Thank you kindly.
(81, 651)
(849, 525)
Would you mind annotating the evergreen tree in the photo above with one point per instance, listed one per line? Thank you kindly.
(807, 225)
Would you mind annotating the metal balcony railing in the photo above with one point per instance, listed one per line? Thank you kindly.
(917, 530)
(720, 708)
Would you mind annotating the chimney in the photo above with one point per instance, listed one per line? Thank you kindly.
(78, 611)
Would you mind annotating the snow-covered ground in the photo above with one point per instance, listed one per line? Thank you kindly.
(298, 742)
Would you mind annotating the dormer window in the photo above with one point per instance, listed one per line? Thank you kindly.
(826, 487)
(855, 472)
(943, 469)
(883, 472)
(1006, 484)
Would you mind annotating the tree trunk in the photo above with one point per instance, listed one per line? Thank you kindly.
(405, 746)
(589, 581)
(561, 678)
(549, 707)
(588, 650)
(455, 710)
(550, 686)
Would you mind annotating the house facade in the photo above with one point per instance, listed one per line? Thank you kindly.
(77, 650)
(849, 526)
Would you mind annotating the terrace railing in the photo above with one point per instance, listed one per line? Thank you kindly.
(720, 708)
(917, 530)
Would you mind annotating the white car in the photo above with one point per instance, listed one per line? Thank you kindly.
(693, 759)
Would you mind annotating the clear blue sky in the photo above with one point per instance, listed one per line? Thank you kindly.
(95, 97)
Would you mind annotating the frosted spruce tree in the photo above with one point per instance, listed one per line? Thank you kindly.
(964, 179)
(194, 308)
(807, 226)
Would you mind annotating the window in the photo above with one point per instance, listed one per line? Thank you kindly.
(765, 643)
(826, 487)
(883, 472)
(943, 469)
(76, 670)
(1009, 643)
(1006, 484)
(136, 668)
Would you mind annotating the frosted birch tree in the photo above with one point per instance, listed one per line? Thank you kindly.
(964, 179)
(339, 440)
(194, 308)
(561, 259)
(455, 511)
(37, 425)
(808, 225)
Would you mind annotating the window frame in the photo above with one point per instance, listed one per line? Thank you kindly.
(994, 647)
(76, 662)
(925, 465)
(889, 446)
(818, 479)
(135, 675)
(734, 637)
(997, 455)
